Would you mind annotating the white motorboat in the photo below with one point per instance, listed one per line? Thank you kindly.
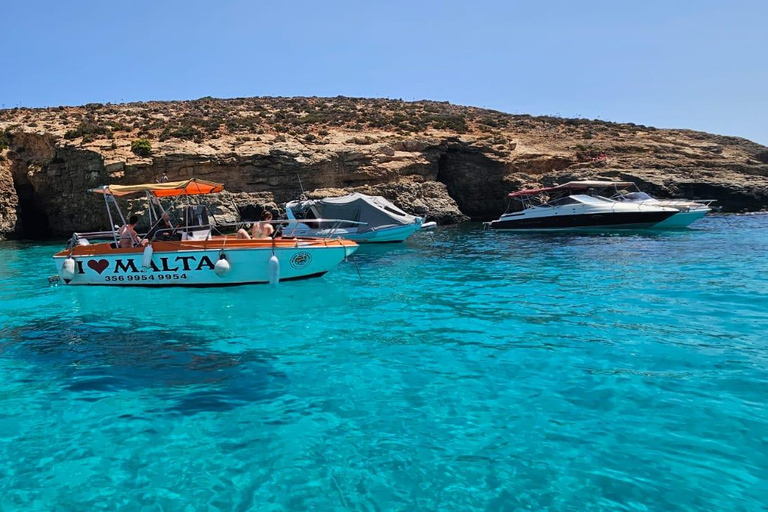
(370, 219)
(570, 207)
(191, 254)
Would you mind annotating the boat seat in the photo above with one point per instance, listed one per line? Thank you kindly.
(196, 234)
(196, 215)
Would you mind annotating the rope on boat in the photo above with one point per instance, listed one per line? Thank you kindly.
(222, 266)
(354, 262)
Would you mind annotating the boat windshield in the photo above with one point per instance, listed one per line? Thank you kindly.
(562, 201)
(582, 198)
(636, 196)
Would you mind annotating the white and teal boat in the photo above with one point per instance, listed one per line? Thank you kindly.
(369, 219)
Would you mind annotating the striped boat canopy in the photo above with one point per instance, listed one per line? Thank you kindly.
(189, 187)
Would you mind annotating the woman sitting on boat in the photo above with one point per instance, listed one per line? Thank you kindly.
(261, 229)
(127, 236)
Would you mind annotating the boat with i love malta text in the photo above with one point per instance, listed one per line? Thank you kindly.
(193, 251)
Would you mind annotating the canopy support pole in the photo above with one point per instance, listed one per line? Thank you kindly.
(111, 222)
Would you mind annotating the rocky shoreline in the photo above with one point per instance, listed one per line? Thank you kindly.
(446, 162)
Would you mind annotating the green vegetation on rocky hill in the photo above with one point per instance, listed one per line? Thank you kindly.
(436, 159)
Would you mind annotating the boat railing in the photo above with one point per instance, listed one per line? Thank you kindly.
(173, 231)
(93, 234)
(84, 238)
(293, 225)
(327, 232)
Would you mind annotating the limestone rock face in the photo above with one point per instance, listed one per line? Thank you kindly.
(9, 201)
(437, 160)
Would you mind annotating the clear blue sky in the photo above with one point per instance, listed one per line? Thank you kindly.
(698, 64)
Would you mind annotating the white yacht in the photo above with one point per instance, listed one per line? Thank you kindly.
(570, 207)
(358, 217)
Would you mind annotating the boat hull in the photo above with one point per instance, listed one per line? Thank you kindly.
(682, 219)
(193, 264)
(587, 221)
(375, 236)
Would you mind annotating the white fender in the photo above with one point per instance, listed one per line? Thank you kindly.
(68, 270)
(222, 267)
(274, 270)
(146, 261)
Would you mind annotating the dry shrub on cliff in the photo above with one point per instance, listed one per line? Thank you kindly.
(141, 147)
(89, 131)
(456, 123)
(185, 132)
(5, 139)
(117, 126)
(489, 123)
(245, 124)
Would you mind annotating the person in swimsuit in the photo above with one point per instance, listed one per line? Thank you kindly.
(127, 236)
(261, 229)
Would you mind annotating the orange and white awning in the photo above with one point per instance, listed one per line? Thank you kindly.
(189, 187)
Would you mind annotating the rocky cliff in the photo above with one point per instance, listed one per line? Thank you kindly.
(444, 161)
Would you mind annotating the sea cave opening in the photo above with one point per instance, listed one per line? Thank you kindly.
(34, 221)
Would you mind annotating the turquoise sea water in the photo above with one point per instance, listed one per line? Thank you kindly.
(464, 370)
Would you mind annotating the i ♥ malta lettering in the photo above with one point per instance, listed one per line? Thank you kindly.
(163, 264)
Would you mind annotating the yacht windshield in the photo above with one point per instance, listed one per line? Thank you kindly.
(583, 198)
(636, 196)
(562, 201)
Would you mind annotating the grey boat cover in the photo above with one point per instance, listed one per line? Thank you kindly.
(375, 211)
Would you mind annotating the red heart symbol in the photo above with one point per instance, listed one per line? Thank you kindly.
(98, 265)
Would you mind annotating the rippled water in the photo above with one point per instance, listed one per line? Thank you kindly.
(464, 370)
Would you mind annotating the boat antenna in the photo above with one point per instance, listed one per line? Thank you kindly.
(301, 186)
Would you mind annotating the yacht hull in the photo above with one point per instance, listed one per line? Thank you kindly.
(586, 221)
(682, 219)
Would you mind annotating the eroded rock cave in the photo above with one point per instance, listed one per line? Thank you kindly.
(32, 216)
